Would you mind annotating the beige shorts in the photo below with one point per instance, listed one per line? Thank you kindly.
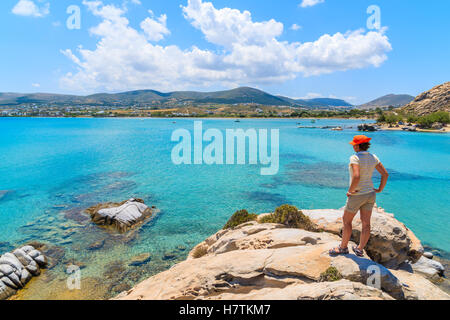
(361, 202)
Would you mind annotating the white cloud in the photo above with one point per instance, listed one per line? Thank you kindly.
(227, 26)
(155, 29)
(310, 3)
(30, 9)
(295, 27)
(36, 85)
(248, 52)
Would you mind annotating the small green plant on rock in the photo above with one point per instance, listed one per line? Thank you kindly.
(240, 217)
(330, 275)
(291, 217)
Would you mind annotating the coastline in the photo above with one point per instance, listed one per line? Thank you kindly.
(387, 128)
(384, 127)
(218, 118)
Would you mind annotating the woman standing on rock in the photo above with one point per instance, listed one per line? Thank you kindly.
(361, 194)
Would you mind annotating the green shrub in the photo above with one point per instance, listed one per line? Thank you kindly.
(393, 119)
(291, 217)
(381, 118)
(428, 120)
(330, 275)
(240, 217)
(412, 118)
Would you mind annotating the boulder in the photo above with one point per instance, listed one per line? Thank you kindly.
(417, 287)
(6, 291)
(391, 243)
(364, 270)
(367, 127)
(25, 277)
(121, 216)
(17, 268)
(96, 245)
(437, 126)
(140, 260)
(428, 255)
(431, 269)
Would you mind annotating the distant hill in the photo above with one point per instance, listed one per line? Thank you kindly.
(234, 96)
(395, 100)
(317, 102)
(436, 99)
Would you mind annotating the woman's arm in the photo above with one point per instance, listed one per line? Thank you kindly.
(384, 177)
(355, 179)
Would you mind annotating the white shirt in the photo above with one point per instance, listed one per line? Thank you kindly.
(367, 163)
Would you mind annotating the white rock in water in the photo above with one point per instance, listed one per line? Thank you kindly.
(10, 259)
(25, 277)
(6, 269)
(28, 249)
(24, 258)
(10, 283)
(17, 269)
(41, 260)
(6, 291)
(122, 215)
(128, 213)
(33, 268)
(429, 268)
(428, 255)
(33, 253)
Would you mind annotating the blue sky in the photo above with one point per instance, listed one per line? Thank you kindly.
(321, 48)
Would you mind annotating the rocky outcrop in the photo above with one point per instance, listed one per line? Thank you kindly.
(367, 127)
(273, 261)
(430, 269)
(121, 216)
(391, 242)
(436, 99)
(416, 287)
(17, 268)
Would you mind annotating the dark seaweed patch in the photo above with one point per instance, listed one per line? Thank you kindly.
(274, 198)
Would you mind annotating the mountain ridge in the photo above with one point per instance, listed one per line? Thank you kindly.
(233, 96)
(395, 100)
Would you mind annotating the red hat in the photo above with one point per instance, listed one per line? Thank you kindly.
(359, 140)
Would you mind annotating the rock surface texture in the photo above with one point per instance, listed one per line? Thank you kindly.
(436, 99)
(121, 216)
(17, 268)
(272, 261)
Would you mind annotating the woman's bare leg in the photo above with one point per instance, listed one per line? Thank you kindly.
(347, 230)
(365, 233)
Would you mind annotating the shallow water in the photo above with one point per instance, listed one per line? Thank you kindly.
(52, 169)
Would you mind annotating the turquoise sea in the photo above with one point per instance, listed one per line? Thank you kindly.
(52, 169)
